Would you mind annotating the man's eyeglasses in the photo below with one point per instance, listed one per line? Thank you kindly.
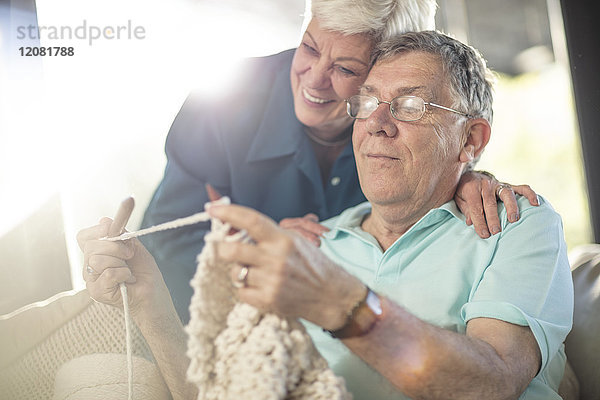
(403, 108)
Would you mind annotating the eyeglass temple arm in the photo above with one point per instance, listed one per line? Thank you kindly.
(449, 109)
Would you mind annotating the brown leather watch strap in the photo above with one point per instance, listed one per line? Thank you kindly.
(362, 319)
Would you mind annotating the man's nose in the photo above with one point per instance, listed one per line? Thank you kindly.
(381, 122)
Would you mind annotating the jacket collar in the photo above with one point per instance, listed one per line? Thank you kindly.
(280, 133)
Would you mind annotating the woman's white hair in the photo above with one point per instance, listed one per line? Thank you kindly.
(380, 19)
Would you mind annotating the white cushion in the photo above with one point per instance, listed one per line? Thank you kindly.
(104, 377)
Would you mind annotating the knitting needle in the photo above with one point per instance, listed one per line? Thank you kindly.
(213, 194)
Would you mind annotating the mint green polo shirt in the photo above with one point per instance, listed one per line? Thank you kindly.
(445, 274)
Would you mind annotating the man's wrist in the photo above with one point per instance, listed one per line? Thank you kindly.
(362, 318)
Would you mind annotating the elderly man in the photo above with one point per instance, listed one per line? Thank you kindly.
(416, 304)
(420, 300)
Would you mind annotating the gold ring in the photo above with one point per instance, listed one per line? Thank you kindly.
(241, 280)
(501, 187)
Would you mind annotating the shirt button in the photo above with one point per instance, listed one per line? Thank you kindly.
(335, 180)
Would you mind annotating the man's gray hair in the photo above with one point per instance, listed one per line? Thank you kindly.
(379, 19)
(471, 82)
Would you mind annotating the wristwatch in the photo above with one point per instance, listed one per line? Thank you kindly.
(362, 319)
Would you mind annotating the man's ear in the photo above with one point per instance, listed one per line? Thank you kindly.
(478, 133)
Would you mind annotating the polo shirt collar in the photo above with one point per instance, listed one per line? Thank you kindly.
(349, 221)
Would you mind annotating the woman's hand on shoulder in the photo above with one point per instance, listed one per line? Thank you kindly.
(477, 198)
(307, 226)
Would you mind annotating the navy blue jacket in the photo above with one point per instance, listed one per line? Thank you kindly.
(249, 146)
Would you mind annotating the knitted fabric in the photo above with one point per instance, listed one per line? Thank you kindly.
(237, 351)
(97, 329)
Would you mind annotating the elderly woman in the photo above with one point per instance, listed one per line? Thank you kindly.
(280, 142)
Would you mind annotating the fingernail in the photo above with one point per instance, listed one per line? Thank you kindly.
(495, 229)
(485, 233)
(536, 201)
(514, 217)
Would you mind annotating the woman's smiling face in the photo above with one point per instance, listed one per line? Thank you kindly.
(328, 67)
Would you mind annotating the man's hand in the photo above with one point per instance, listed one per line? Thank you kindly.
(307, 226)
(476, 198)
(286, 273)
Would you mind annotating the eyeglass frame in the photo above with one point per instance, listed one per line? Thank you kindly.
(389, 103)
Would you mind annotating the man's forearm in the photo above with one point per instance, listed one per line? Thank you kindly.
(425, 361)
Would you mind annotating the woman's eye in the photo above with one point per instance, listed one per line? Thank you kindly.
(346, 71)
(310, 49)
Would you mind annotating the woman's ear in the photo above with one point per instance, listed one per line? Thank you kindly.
(478, 133)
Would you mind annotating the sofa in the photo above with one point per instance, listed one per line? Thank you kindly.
(48, 346)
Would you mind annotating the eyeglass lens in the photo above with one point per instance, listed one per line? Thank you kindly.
(402, 108)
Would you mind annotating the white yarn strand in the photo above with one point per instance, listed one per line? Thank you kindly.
(177, 223)
(128, 345)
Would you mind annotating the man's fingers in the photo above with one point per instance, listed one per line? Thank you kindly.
(490, 207)
(242, 253)
(254, 296)
(246, 276)
(259, 226)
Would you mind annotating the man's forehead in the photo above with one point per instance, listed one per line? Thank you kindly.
(410, 73)
(396, 91)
